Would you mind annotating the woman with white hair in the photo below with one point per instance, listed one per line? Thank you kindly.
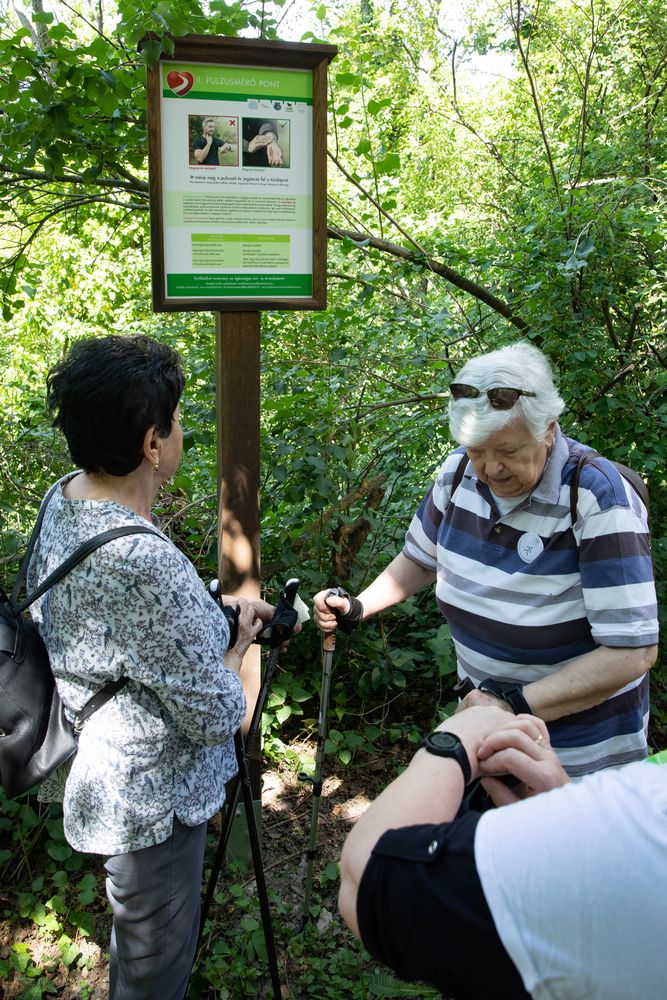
(547, 617)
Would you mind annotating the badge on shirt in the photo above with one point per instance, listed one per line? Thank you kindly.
(530, 546)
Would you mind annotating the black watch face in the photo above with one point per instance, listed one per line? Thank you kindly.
(444, 740)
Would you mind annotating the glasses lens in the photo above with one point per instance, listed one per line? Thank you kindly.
(460, 390)
(503, 399)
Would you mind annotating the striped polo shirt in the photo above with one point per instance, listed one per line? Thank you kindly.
(526, 592)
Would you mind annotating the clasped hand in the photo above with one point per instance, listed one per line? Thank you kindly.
(498, 745)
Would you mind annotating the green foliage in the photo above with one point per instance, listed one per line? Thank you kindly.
(541, 182)
(62, 904)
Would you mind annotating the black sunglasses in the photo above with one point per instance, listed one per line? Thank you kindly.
(501, 398)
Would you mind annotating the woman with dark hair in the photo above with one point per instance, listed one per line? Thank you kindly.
(152, 763)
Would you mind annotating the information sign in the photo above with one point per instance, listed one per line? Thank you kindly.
(238, 170)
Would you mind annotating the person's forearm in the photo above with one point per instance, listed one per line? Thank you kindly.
(587, 681)
(401, 579)
(201, 154)
(430, 790)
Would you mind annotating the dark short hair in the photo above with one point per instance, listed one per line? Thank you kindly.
(106, 392)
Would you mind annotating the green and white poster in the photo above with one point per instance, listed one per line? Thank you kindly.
(237, 149)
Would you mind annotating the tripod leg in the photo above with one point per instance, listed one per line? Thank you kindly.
(233, 797)
(256, 849)
(219, 857)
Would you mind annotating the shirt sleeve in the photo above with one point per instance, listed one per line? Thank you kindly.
(421, 538)
(172, 635)
(421, 911)
(615, 561)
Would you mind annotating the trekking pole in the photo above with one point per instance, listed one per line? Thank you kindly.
(289, 610)
(328, 646)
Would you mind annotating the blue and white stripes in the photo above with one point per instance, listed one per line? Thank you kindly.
(527, 592)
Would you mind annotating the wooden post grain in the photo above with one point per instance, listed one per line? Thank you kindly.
(237, 410)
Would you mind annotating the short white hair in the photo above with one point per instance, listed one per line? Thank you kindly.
(518, 366)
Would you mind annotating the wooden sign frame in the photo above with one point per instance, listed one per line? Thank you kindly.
(263, 56)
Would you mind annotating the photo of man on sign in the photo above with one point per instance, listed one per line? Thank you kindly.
(213, 141)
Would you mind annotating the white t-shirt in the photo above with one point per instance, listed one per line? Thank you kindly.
(576, 881)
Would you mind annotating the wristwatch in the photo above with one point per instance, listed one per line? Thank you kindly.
(444, 744)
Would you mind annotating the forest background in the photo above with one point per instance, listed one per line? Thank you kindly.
(497, 170)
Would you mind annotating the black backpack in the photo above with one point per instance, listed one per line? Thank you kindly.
(632, 477)
(35, 735)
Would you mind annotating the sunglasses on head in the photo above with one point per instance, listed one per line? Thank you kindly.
(501, 398)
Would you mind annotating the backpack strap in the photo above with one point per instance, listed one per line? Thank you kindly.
(458, 475)
(107, 692)
(104, 695)
(79, 555)
(585, 457)
(23, 569)
(630, 475)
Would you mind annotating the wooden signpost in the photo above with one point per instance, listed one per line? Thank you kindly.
(237, 155)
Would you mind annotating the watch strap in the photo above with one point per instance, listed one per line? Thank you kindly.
(458, 753)
(511, 692)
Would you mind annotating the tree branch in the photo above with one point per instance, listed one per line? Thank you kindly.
(377, 204)
(436, 267)
(633, 326)
(609, 323)
(133, 184)
(523, 52)
(407, 401)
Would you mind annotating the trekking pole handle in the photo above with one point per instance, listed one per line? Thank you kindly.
(329, 638)
(349, 621)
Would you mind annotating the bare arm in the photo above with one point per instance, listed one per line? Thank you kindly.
(511, 749)
(274, 154)
(260, 141)
(401, 579)
(430, 790)
(581, 684)
(201, 154)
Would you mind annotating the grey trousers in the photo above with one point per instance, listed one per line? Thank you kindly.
(155, 898)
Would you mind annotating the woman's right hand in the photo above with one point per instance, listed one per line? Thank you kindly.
(323, 609)
(250, 625)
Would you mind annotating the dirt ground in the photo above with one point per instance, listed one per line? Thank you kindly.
(286, 818)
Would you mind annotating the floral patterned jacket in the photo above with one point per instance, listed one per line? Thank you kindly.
(162, 745)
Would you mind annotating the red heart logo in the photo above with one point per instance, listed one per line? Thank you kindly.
(179, 82)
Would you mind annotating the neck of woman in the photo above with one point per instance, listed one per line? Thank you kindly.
(136, 490)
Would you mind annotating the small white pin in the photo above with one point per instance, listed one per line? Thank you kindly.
(530, 546)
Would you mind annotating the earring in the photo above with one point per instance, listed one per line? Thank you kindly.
(156, 467)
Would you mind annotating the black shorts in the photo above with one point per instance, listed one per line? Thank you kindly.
(422, 911)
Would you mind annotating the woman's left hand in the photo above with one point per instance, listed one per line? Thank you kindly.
(250, 624)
